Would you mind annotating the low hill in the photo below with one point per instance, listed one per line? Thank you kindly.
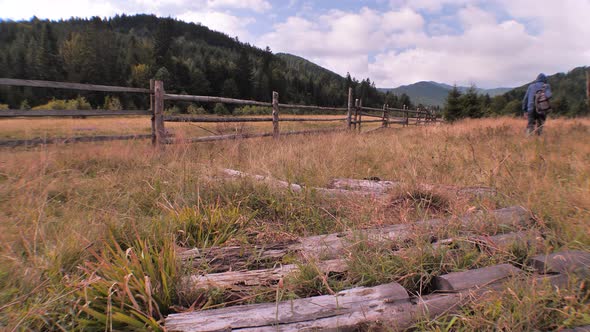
(434, 93)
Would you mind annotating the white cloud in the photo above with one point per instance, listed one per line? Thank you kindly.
(25, 9)
(468, 44)
(229, 24)
(256, 5)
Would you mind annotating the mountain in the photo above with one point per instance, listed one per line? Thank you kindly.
(434, 93)
(190, 58)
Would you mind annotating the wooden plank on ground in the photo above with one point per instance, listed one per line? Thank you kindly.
(386, 305)
(475, 278)
(243, 280)
(287, 312)
(330, 246)
(574, 261)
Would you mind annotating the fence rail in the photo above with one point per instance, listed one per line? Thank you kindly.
(67, 113)
(158, 96)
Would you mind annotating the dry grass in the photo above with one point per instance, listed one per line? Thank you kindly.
(64, 207)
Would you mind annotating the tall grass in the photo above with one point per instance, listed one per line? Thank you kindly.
(87, 232)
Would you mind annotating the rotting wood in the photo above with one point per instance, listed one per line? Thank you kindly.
(330, 246)
(457, 281)
(384, 186)
(69, 113)
(73, 86)
(384, 305)
(572, 261)
(301, 310)
(243, 280)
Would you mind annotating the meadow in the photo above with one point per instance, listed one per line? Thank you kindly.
(90, 233)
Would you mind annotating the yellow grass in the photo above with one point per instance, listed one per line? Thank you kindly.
(58, 203)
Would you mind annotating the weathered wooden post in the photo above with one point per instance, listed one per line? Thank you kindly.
(360, 108)
(356, 113)
(153, 112)
(407, 115)
(349, 114)
(275, 115)
(588, 87)
(158, 128)
(384, 122)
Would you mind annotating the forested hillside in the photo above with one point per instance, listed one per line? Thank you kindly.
(190, 58)
(569, 99)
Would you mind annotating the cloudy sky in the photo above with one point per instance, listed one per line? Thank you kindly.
(490, 43)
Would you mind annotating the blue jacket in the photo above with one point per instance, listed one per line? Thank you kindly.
(528, 102)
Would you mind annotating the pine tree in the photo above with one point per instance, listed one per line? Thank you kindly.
(453, 109)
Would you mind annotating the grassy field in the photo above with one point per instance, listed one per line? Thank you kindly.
(88, 232)
(22, 128)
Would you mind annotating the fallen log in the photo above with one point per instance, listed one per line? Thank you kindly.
(242, 280)
(385, 305)
(382, 187)
(331, 246)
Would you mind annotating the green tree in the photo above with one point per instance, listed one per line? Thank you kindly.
(453, 110)
(471, 104)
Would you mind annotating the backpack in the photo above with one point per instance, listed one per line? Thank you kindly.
(542, 105)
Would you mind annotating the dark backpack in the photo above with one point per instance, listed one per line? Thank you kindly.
(542, 105)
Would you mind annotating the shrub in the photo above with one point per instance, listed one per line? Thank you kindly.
(4, 107)
(112, 104)
(195, 110)
(220, 109)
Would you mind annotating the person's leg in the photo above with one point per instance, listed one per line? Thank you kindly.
(531, 123)
(540, 123)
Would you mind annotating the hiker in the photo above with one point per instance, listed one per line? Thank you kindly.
(536, 105)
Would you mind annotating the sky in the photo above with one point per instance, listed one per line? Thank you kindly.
(489, 43)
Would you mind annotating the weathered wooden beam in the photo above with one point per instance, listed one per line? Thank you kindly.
(457, 281)
(247, 279)
(244, 136)
(183, 118)
(313, 108)
(332, 246)
(210, 99)
(275, 115)
(387, 305)
(69, 113)
(384, 186)
(287, 312)
(159, 128)
(349, 110)
(72, 86)
(68, 140)
(574, 261)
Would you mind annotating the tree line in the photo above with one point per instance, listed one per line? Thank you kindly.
(188, 57)
(569, 99)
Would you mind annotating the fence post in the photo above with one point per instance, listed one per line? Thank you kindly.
(360, 108)
(153, 120)
(275, 115)
(588, 87)
(349, 114)
(384, 122)
(407, 116)
(356, 112)
(159, 130)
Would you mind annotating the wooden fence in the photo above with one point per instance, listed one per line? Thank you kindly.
(352, 116)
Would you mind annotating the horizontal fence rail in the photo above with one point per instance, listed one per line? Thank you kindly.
(66, 140)
(353, 120)
(67, 113)
(71, 86)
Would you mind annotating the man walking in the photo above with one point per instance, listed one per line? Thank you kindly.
(535, 104)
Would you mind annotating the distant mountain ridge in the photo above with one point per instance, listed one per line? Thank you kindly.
(432, 93)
